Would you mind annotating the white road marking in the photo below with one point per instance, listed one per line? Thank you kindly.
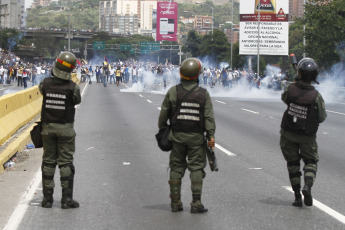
(24, 202)
(335, 112)
(251, 111)
(141, 95)
(225, 151)
(149, 101)
(220, 102)
(159, 108)
(255, 168)
(90, 148)
(336, 215)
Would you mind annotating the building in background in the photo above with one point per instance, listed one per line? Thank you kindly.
(127, 16)
(296, 8)
(234, 36)
(12, 13)
(36, 3)
(203, 24)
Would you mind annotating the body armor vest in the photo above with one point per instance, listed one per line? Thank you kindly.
(300, 116)
(189, 115)
(58, 104)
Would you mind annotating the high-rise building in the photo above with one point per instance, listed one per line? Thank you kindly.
(12, 13)
(296, 8)
(138, 13)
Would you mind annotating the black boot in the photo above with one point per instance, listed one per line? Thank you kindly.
(48, 200)
(308, 199)
(298, 199)
(298, 196)
(196, 205)
(67, 201)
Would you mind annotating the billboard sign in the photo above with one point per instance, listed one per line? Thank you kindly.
(166, 21)
(274, 27)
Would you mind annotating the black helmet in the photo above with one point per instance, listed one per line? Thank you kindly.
(307, 70)
(64, 65)
(190, 69)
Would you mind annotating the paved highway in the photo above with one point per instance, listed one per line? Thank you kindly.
(121, 177)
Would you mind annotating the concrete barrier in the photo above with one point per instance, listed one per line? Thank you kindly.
(18, 109)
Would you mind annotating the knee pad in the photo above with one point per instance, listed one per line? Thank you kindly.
(174, 175)
(197, 176)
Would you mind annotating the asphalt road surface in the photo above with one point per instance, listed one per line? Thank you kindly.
(122, 177)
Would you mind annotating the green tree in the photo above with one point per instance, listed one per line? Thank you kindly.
(216, 46)
(193, 43)
(9, 38)
(325, 30)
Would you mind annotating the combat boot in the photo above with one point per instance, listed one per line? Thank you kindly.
(67, 201)
(196, 205)
(308, 199)
(298, 196)
(175, 195)
(48, 200)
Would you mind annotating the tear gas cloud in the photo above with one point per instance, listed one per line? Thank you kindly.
(331, 82)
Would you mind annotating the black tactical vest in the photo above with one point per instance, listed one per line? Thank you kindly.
(58, 105)
(189, 115)
(301, 115)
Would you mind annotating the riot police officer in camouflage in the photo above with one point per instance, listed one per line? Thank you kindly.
(306, 109)
(189, 110)
(60, 95)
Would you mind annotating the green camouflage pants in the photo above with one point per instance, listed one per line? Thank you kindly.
(188, 156)
(59, 148)
(295, 148)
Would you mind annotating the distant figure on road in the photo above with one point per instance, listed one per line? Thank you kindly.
(189, 110)
(60, 95)
(306, 109)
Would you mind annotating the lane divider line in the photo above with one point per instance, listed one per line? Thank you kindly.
(221, 102)
(148, 101)
(251, 111)
(336, 215)
(159, 108)
(227, 152)
(335, 112)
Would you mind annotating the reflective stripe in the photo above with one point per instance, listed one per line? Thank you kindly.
(187, 104)
(56, 95)
(55, 102)
(65, 63)
(188, 117)
(56, 107)
(189, 111)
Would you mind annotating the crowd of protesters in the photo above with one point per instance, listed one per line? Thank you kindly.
(14, 71)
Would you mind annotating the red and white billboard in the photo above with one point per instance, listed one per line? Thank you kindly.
(274, 27)
(166, 21)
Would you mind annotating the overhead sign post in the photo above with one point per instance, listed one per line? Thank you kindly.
(98, 45)
(273, 33)
(149, 46)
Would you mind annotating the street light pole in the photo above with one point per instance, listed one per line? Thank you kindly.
(258, 61)
(232, 29)
(69, 29)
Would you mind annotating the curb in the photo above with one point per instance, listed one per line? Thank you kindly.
(15, 146)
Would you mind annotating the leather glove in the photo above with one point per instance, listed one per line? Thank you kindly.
(211, 143)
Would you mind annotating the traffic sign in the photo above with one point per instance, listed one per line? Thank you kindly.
(149, 46)
(98, 45)
(145, 51)
(125, 47)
